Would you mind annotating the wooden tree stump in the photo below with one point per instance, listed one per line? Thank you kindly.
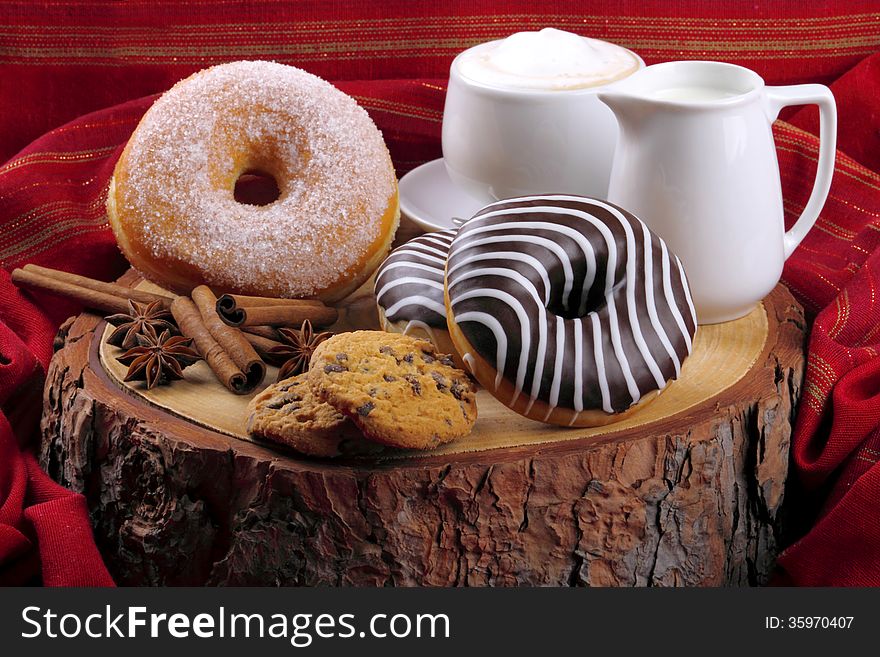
(690, 499)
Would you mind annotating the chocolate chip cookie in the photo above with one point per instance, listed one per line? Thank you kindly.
(288, 413)
(395, 388)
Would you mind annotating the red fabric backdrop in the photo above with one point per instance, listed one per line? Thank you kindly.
(61, 60)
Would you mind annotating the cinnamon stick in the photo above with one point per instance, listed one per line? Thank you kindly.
(245, 301)
(267, 332)
(115, 289)
(189, 321)
(239, 310)
(261, 344)
(287, 315)
(231, 339)
(89, 297)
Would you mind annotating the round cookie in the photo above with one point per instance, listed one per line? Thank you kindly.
(409, 290)
(397, 389)
(288, 413)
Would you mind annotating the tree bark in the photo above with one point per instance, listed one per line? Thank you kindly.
(695, 499)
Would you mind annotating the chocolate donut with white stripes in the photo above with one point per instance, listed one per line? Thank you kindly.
(409, 290)
(568, 309)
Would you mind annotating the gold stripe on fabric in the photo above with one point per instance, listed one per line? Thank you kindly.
(853, 206)
(190, 49)
(822, 222)
(52, 233)
(97, 124)
(838, 168)
(45, 210)
(868, 337)
(47, 244)
(400, 109)
(446, 20)
(806, 141)
(815, 396)
(56, 157)
(842, 317)
(301, 58)
(63, 211)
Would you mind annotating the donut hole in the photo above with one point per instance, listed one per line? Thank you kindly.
(595, 300)
(255, 187)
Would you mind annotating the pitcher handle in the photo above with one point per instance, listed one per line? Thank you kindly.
(809, 94)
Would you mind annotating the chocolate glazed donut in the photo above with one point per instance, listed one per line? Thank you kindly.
(568, 309)
(409, 290)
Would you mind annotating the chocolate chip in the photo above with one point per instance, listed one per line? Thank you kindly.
(374, 392)
(428, 358)
(364, 410)
(333, 368)
(386, 350)
(457, 390)
(414, 383)
(341, 357)
(440, 380)
(409, 358)
(389, 377)
(446, 359)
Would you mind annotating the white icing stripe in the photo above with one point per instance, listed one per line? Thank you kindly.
(411, 280)
(417, 300)
(500, 341)
(578, 366)
(405, 250)
(408, 263)
(670, 298)
(416, 324)
(420, 247)
(529, 287)
(525, 337)
(441, 241)
(651, 302)
(632, 278)
(687, 290)
(611, 245)
(578, 237)
(553, 401)
(534, 263)
(599, 357)
(553, 247)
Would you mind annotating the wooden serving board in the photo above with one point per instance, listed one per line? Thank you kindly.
(722, 356)
(686, 492)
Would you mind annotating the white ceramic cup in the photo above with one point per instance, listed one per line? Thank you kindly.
(697, 163)
(500, 142)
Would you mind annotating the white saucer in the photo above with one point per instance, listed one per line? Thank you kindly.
(430, 198)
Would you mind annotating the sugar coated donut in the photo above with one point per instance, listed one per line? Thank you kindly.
(568, 309)
(171, 200)
(409, 290)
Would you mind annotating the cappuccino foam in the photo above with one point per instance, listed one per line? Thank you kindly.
(552, 60)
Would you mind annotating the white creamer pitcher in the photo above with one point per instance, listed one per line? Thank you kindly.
(696, 161)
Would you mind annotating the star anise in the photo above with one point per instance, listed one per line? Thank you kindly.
(130, 325)
(158, 359)
(297, 350)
